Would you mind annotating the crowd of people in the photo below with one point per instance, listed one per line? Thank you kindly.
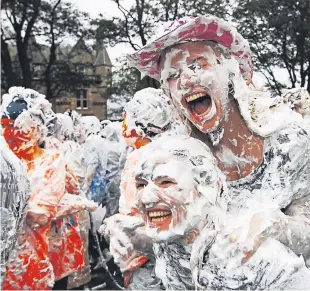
(203, 185)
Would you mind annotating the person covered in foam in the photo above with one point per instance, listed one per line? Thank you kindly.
(95, 150)
(65, 136)
(112, 134)
(205, 67)
(36, 261)
(183, 199)
(148, 116)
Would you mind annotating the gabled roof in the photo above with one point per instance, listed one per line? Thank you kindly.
(80, 45)
(102, 58)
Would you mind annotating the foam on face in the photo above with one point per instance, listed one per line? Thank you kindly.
(148, 107)
(197, 184)
(256, 107)
(38, 115)
(214, 80)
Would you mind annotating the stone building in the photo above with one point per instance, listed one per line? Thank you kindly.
(90, 96)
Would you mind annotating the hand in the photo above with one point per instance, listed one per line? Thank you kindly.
(70, 204)
(128, 242)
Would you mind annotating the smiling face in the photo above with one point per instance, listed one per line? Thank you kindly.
(176, 180)
(165, 195)
(193, 74)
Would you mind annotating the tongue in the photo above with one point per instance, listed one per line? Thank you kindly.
(201, 106)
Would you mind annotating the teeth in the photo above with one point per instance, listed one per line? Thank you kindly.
(194, 97)
(158, 214)
(158, 219)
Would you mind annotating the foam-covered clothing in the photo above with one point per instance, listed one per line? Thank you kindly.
(115, 164)
(127, 204)
(96, 167)
(282, 178)
(273, 266)
(15, 192)
(36, 257)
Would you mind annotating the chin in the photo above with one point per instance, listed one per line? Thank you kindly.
(161, 236)
(174, 233)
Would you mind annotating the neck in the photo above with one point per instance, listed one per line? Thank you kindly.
(240, 151)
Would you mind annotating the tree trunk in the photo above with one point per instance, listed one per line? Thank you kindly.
(24, 61)
(7, 65)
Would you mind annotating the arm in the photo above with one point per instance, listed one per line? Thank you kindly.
(294, 230)
(48, 187)
(70, 204)
(272, 266)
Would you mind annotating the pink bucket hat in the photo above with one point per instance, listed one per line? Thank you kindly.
(200, 28)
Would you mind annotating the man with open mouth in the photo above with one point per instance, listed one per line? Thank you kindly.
(205, 67)
(182, 197)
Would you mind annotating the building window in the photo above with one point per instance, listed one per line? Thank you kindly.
(80, 68)
(81, 99)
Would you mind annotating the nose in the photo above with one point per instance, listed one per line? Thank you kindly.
(150, 194)
(185, 81)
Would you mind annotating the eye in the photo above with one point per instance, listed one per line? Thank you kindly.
(194, 66)
(140, 184)
(165, 182)
(173, 74)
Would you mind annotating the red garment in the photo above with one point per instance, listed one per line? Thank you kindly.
(66, 251)
(30, 266)
(66, 247)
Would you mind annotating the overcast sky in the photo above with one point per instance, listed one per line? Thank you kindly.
(109, 9)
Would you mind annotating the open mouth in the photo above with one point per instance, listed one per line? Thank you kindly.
(156, 216)
(201, 105)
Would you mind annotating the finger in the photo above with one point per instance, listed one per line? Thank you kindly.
(117, 248)
(121, 244)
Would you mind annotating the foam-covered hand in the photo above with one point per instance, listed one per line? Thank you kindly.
(128, 242)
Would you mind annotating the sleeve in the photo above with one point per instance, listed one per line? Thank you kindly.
(143, 278)
(72, 185)
(299, 167)
(288, 175)
(70, 204)
(294, 231)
